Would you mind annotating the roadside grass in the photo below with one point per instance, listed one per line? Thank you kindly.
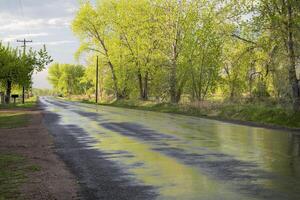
(14, 168)
(29, 103)
(264, 113)
(13, 119)
(14, 115)
(13, 173)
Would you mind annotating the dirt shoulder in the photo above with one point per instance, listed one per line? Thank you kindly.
(49, 177)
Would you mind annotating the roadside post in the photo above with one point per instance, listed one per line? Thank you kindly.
(97, 72)
(2, 95)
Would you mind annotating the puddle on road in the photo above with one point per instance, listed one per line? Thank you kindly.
(173, 179)
(191, 158)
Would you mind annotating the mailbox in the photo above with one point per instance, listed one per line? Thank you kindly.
(14, 96)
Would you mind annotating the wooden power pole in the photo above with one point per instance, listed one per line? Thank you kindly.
(24, 41)
(97, 82)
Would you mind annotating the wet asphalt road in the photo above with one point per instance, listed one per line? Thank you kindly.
(127, 154)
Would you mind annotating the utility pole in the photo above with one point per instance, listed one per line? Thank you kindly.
(97, 71)
(24, 41)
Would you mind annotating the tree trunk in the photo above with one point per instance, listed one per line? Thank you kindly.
(178, 95)
(232, 92)
(173, 84)
(173, 77)
(118, 94)
(145, 92)
(23, 95)
(143, 86)
(292, 61)
(140, 84)
(115, 81)
(8, 91)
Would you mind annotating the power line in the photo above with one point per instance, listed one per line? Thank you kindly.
(21, 8)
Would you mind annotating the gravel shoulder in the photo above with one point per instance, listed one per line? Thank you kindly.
(50, 178)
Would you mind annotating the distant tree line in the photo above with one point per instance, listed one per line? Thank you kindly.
(43, 92)
(197, 48)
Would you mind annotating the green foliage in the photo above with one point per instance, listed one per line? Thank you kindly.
(66, 78)
(199, 49)
(17, 67)
(43, 92)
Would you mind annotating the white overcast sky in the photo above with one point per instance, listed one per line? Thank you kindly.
(44, 22)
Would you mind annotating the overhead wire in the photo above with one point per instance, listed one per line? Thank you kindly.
(21, 7)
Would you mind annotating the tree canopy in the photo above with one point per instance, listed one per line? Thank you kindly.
(66, 78)
(196, 48)
(17, 67)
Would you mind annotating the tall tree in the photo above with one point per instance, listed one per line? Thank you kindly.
(17, 68)
(92, 25)
(281, 17)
